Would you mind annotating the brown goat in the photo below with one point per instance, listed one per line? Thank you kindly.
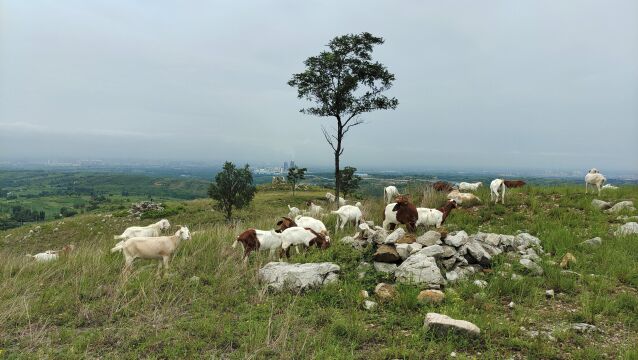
(285, 224)
(406, 212)
(249, 241)
(514, 183)
(442, 186)
(447, 209)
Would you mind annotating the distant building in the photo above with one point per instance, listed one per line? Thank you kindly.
(292, 163)
(286, 165)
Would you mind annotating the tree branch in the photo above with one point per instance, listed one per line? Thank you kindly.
(327, 136)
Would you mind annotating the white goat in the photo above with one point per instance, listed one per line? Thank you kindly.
(312, 223)
(331, 199)
(313, 209)
(389, 193)
(390, 216)
(262, 240)
(160, 248)
(470, 186)
(460, 197)
(347, 213)
(48, 255)
(594, 177)
(358, 204)
(293, 211)
(495, 186)
(300, 236)
(148, 231)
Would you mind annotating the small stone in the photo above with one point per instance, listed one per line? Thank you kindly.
(452, 354)
(623, 205)
(480, 283)
(403, 250)
(531, 266)
(394, 236)
(445, 324)
(452, 276)
(369, 305)
(387, 268)
(429, 238)
(583, 328)
(516, 277)
(364, 294)
(434, 251)
(432, 296)
(566, 260)
(511, 305)
(457, 239)
(407, 239)
(549, 294)
(601, 205)
(385, 291)
(595, 242)
(629, 228)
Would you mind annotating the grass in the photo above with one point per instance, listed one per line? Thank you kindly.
(81, 306)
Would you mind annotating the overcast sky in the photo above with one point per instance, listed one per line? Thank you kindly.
(481, 84)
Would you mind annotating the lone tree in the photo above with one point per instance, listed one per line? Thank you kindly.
(295, 175)
(344, 83)
(233, 188)
(349, 181)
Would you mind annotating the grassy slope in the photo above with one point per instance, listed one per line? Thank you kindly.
(81, 307)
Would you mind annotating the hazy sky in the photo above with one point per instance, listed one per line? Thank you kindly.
(494, 84)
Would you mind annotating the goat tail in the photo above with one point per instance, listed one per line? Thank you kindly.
(235, 242)
(118, 247)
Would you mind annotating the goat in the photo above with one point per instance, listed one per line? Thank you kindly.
(401, 212)
(160, 248)
(510, 184)
(442, 186)
(253, 240)
(594, 177)
(436, 217)
(390, 193)
(358, 204)
(313, 209)
(302, 236)
(495, 186)
(347, 213)
(302, 221)
(470, 186)
(141, 231)
(50, 255)
(331, 199)
(460, 197)
(293, 211)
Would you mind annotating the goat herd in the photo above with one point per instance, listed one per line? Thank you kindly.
(305, 229)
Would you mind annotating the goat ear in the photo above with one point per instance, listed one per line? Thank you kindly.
(280, 222)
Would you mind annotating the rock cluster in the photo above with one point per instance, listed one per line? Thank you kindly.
(629, 228)
(137, 209)
(433, 261)
(279, 276)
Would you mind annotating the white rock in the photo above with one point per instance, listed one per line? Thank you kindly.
(394, 236)
(623, 205)
(549, 293)
(444, 324)
(480, 283)
(531, 266)
(629, 228)
(387, 268)
(583, 328)
(369, 304)
(434, 251)
(511, 305)
(457, 239)
(298, 277)
(526, 240)
(595, 242)
(419, 269)
(429, 238)
(403, 250)
(599, 204)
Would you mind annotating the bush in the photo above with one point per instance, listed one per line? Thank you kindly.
(157, 214)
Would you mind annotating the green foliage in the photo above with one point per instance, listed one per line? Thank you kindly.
(159, 214)
(233, 188)
(295, 175)
(66, 212)
(344, 82)
(349, 181)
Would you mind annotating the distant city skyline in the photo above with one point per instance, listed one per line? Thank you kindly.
(498, 85)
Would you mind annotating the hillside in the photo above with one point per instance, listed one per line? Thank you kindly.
(82, 307)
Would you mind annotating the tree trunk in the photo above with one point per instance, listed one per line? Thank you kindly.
(337, 179)
(293, 189)
(229, 213)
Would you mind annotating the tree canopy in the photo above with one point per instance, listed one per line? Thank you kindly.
(233, 188)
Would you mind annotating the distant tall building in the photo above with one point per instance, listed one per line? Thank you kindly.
(286, 165)
(292, 163)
